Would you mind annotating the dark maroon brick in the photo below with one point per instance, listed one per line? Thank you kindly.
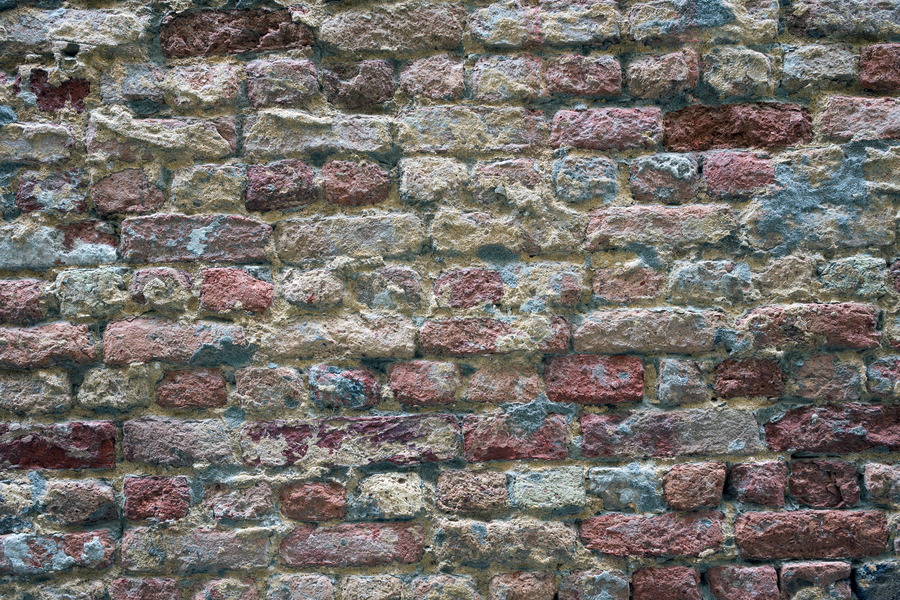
(607, 128)
(77, 445)
(279, 185)
(160, 498)
(174, 238)
(425, 382)
(811, 534)
(225, 289)
(57, 343)
(591, 379)
(127, 191)
(759, 483)
(737, 174)
(822, 483)
(836, 428)
(350, 183)
(508, 436)
(291, 440)
(194, 388)
(52, 98)
(466, 288)
(764, 125)
(743, 583)
(357, 85)
(669, 534)
(584, 75)
(313, 501)
(749, 377)
(671, 583)
(211, 32)
(879, 67)
(846, 325)
(353, 545)
(20, 301)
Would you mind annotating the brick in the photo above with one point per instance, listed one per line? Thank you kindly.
(33, 554)
(810, 68)
(402, 28)
(508, 78)
(455, 129)
(311, 587)
(353, 544)
(243, 502)
(36, 247)
(437, 77)
(835, 428)
(682, 382)
(465, 288)
(878, 67)
(118, 389)
(225, 290)
(20, 301)
(715, 282)
(514, 436)
(338, 387)
(694, 485)
(90, 293)
(737, 71)
(158, 498)
(389, 496)
(588, 379)
(749, 377)
(743, 583)
(207, 33)
(35, 392)
(848, 118)
(204, 343)
(667, 178)
(607, 128)
(737, 174)
(675, 583)
(58, 192)
(591, 585)
(281, 82)
(623, 285)
(517, 543)
(811, 534)
(824, 483)
(472, 492)
(855, 277)
(227, 589)
(348, 183)
(579, 179)
(435, 587)
(556, 489)
(761, 483)
(670, 534)
(632, 488)
(465, 336)
(504, 383)
(830, 578)
(58, 343)
(206, 86)
(313, 501)
(194, 388)
(648, 331)
(35, 142)
(314, 289)
(883, 376)
(372, 587)
(839, 19)
(128, 191)
(357, 85)
(164, 289)
(174, 442)
(264, 389)
(877, 581)
(764, 125)
(175, 238)
(425, 382)
(674, 433)
(294, 133)
(75, 445)
(391, 287)
(361, 236)
(578, 75)
(664, 75)
(52, 98)
(79, 502)
(667, 226)
(197, 550)
(345, 337)
(512, 24)
(126, 588)
(882, 483)
(280, 185)
(845, 325)
(522, 585)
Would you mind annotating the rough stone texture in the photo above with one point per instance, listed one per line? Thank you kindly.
(689, 534)
(811, 534)
(693, 486)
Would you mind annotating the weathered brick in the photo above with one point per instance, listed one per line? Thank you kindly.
(766, 125)
(675, 583)
(670, 534)
(361, 236)
(33, 554)
(75, 445)
(35, 392)
(694, 485)
(280, 185)
(223, 290)
(58, 192)
(845, 325)
(58, 343)
(35, 142)
(355, 336)
(848, 118)
(518, 543)
(125, 588)
(348, 183)
(671, 226)
(192, 389)
(148, 549)
(454, 129)
(557, 489)
(438, 77)
(882, 483)
(281, 132)
(79, 502)
(211, 32)
(607, 128)
(588, 379)
(743, 583)
(632, 488)
(242, 502)
(163, 289)
(425, 382)
(336, 387)
(578, 75)
(749, 377)
(824, 483)
(20, 301)
(508, 78)
(738, 71)
(514, 435)
(835, 428)
(313, 501)
(878, 67)
(512, 24)
(159, 498)
(468, 492)
(737, 174)
(844, 18)
(281, 82)
(593, 585)
(663, 76)
(521, 585)
(648, 330)
(877, 581)
(816, 66)
(313, 289)
(204, 343)
(358, 85)
(435, 587)
(668, 178)
(830, 578)
(811, 534)
(759, 483)
(311, 587)
(174, 238)
(353, 544)
(465, 288)
(174, 442)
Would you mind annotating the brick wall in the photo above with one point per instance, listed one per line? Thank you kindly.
(432, 300)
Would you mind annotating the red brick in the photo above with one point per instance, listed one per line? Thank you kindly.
(840, 326)
(76, 445)
(827, 377)
(504, 436)
(822, 483)
(20, 301)
(811, 534)
(463, 336)
(195, 388)
(743, 583)
(425, 382)
(290, 440)
(579, 75)
(466, 288)
(669, 534)
(135, 340)
(749, 377)
(353, 545)
(226, 289)
(759, 483)
(52, 98)
(879, 67)
(338, 387)
(737, 174)
(211, 238)
(279, 185)
(764, 125)
(848, 118)
(472, 491)
(503, 383)
(831, 578)
(159, 498)
(57, 343)
(695, 485)
(591, 379)
(125, 588)
(226, 589)
(313, 501)
(665, 178)
(523, 585)
(671, 583)
(626, 285)
(211, 32)
(607, 128)
(836, 428)
(350, 183)
(32, 554)
(127, 191)
(358, 85)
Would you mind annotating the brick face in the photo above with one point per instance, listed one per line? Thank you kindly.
(439, 299)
